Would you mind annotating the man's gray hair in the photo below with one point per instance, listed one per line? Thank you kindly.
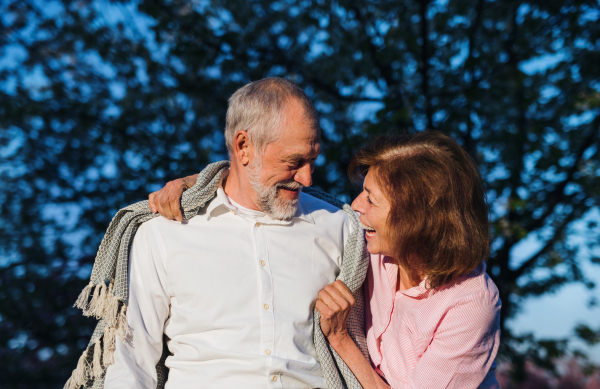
(258, 108)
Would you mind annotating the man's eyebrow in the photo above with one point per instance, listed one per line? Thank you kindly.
(294, 157)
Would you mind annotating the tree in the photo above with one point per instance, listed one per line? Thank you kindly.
(102, 101)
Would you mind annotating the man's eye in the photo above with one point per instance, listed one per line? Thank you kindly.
(295, 165)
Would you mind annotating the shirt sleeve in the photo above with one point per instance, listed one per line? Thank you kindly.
(463, 349)
(147, 312)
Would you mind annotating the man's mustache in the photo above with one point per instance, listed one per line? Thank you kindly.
(289, 185)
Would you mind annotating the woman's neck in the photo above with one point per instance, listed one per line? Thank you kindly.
(406, 280)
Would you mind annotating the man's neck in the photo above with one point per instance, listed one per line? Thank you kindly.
(238, 188)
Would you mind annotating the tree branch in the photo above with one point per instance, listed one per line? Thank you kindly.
(313, 79)
(468, 142)
(385, 69)
(557, 195)
(531, 262)
(396, 94)
(425, 61)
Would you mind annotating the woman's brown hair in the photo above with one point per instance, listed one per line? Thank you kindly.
(438, 221)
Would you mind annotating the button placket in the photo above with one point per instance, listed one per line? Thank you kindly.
(266, 294)
(275, 373)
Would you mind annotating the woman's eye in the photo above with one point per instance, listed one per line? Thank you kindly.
(369, 200)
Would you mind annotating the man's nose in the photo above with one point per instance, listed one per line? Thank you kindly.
(304, 175)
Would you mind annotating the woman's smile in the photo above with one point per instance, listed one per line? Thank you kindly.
(369, 231)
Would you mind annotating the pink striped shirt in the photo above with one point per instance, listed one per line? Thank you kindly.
(423, 339)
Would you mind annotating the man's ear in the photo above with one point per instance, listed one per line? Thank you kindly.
(243, 150)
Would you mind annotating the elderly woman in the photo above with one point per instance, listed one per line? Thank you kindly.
(432, 311)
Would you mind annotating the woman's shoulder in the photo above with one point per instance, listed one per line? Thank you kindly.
(477, 286)
(479, 281)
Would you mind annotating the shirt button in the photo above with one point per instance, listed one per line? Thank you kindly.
(263, 263)
(268, 352)
(266, 306)
(257, 224)
(274, 379)
(232, 211)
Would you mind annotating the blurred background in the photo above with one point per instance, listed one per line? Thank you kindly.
(102, 102)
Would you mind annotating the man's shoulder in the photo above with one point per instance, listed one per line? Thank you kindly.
(315, 206)
(324, 214)
(158, 227)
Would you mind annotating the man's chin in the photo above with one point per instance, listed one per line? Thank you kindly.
(283, 209)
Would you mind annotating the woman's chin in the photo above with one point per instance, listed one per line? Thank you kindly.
(373, 248)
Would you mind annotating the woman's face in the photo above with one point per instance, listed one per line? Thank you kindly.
(373, 207)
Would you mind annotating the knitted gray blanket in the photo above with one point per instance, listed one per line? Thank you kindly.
(109, 294)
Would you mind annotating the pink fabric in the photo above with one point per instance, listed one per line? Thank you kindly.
(423, 339)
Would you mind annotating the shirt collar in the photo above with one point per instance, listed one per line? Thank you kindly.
(222, 204)
(421, 289)
(416, 291)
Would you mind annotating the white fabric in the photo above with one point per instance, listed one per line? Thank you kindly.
(233, 321)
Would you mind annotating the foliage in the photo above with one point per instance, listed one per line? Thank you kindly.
(575, 375)
(103, 101)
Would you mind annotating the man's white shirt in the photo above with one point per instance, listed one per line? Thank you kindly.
(234, 290)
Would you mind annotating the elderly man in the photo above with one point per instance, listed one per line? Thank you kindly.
(233, 288)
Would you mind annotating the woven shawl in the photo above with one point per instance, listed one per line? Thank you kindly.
(106, 296)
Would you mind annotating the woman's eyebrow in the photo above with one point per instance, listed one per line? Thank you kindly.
(373, 199)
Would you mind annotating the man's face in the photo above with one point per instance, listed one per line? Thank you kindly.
(286, 165)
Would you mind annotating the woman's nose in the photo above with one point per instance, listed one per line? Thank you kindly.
(358, 203)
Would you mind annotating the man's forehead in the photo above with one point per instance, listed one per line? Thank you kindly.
(299, 150)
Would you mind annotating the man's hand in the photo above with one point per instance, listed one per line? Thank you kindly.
(335, 303)
(167, 201)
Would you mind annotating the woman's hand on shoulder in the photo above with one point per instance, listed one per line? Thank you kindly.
(335, 302)
(167, 201)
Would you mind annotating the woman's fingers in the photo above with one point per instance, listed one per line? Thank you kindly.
(326, 315)
(334, 303)
(344, 291)
(151, 204)
(339, 297)
(325, 311)
(167, 201)
(329, 300)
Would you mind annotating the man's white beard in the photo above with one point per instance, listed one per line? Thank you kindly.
(268, 196)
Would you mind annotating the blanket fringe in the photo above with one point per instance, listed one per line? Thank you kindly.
(122, 326)
(97, 363)
(111, 309)
(70, 384)
(82, 300)
(103, 305)
(102, 302)
(97, 305)
(82, 369)
(108, 358)
(77, 379)
(91, 307)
